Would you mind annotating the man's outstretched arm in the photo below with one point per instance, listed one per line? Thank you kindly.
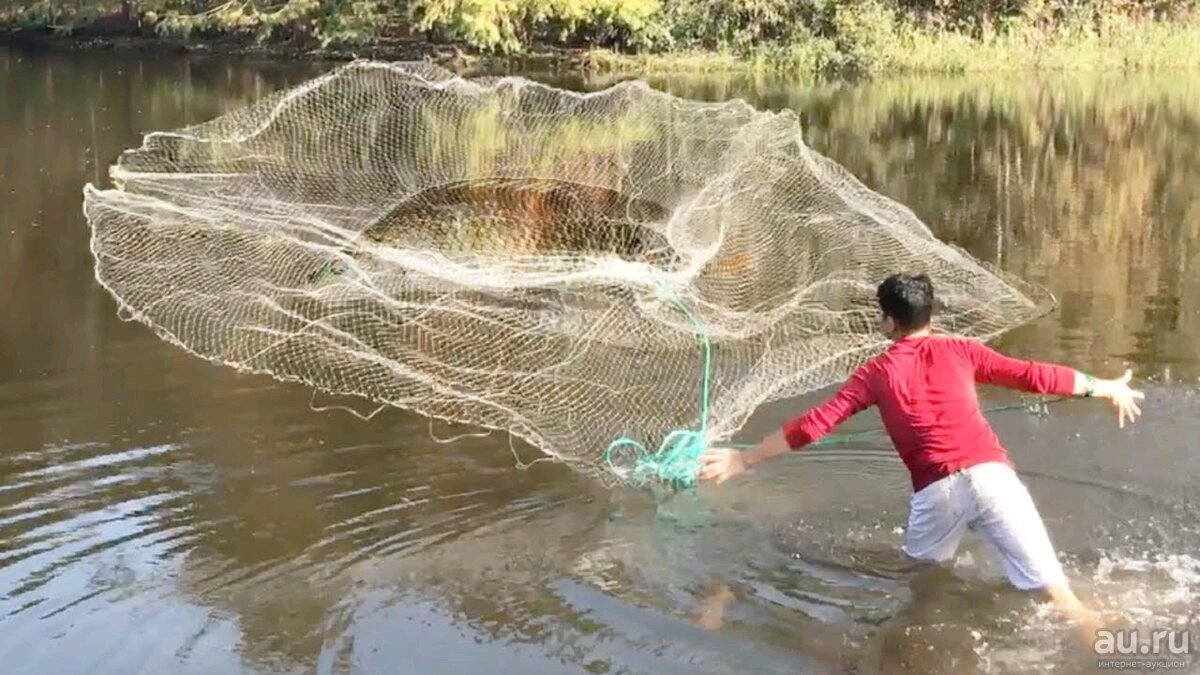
(721, 464)
(992, 367)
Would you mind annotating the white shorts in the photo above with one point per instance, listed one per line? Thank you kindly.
(989, 499)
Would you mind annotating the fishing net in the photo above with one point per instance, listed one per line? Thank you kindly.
(575, 269)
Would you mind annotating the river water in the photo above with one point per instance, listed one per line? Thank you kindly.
(162, 514)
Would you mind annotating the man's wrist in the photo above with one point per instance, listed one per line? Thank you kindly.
(754, 456)
(775, 444)
(749, 457)
(1090, 386)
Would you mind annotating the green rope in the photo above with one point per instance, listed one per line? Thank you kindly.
(677, 459)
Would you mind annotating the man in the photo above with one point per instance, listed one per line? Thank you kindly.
(924, 386)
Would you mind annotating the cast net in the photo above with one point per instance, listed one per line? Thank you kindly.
(570, 268)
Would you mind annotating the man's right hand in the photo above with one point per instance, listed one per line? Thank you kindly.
(721, 464)
(1123, 398)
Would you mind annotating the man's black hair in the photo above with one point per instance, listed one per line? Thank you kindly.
(907, 299)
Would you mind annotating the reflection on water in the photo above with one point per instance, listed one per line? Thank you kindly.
(161, 514)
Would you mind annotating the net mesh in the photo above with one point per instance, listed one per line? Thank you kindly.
(506, 254)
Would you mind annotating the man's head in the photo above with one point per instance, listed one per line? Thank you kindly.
(906, 302)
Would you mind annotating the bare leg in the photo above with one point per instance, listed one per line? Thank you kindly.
(1062, 597)
(1065, 600)
(1012, 525)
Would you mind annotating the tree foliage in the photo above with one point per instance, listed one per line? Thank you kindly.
(840, 34)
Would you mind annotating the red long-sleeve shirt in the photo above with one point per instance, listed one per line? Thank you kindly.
(925, 390)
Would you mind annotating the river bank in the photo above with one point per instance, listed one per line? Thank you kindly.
(865, 39)
(455, 57)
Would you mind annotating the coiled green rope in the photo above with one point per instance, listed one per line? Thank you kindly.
(677, 459)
